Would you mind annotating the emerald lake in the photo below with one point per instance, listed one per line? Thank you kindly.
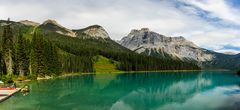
(205, 90)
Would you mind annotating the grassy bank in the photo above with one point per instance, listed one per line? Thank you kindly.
(105, 65)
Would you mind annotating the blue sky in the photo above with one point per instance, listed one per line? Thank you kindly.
(234, 3)
(211, 24)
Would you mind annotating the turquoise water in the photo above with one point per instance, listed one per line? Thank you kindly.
(135, 91)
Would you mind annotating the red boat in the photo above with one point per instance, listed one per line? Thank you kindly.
(7, 88)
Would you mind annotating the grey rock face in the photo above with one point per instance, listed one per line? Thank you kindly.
(94, 31)
(177, 47)
(97, 32)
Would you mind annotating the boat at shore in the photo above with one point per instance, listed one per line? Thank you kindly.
(5, 93)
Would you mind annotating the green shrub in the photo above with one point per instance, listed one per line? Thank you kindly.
(7, 78)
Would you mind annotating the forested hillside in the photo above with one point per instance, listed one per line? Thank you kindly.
(39, 51)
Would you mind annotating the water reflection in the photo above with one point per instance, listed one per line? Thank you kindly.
(135, 91)
(209, 100)
(198, 92)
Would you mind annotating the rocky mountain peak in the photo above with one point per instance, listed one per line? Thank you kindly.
(133, 32)
(148, 42)
(50, 21)
(29, 23)
(141, 30)
(180, 38)
(145, 30)
(53, 22)
(52, 25)
(95, 31)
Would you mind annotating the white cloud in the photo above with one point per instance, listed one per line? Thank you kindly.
(216, 39)
(228, 51)
(217, 8)
(119, 17)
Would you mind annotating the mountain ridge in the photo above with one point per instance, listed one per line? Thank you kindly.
(150, 43)
(141, 40)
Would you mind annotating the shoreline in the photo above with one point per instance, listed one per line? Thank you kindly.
(63, 75)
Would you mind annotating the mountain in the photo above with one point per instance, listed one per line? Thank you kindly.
(50, 49)
(94, 31)
(223, 61)
(150, 43)
(29, 23)
(24, 26)
(51, 26)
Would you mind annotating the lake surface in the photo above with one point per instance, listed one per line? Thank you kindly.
(135, 91)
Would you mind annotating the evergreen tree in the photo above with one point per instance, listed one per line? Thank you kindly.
(21, 56)
(51, 56)
(8, 48)
(3, 70)
(44, 57)
(38, 65)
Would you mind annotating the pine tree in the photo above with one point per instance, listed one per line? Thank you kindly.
(8, 49)
(38, 65)
(1, 59)
(51, 56)
(3, 70)
(44, 57)
(21, 56)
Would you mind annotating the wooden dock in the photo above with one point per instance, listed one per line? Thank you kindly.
(5, 94)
